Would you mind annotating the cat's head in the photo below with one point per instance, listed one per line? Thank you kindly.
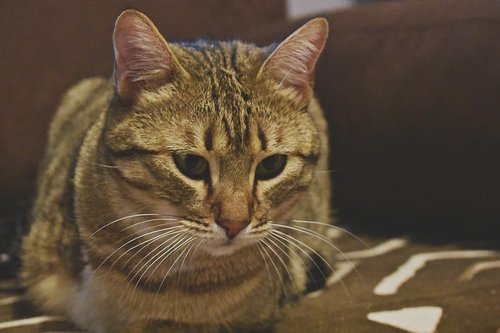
(217, 134)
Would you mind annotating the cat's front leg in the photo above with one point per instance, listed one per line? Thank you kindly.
(161, 326)
(158, 326)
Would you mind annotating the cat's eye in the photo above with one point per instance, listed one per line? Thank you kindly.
(193, 166)
(270, 167)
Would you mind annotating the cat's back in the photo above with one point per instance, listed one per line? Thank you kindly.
(79, 107)
(52, 243)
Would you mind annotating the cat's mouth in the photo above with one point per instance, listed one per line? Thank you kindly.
(225, 247)
(221, 245)
(214, 238)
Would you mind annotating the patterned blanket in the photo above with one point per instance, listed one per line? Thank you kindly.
(380, 285)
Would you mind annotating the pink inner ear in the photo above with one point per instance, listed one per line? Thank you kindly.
(142, 58)
(292, 62)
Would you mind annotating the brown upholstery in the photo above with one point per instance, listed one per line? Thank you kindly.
(413, 94)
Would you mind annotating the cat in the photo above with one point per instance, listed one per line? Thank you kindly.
(189, 192)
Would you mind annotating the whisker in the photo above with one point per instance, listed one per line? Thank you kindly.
(293, 241)
(165, 247)
(329, 171)
(267, 267)
(189, 258)
(185, 243)
(149, 220)
(166, 254)
(130, 241)
(321, 237)
(283, 263)
(178, 239)
(203, 240)
(314, 234)
(142, 230)
(174, 235)
(293, 250)
(301, 249)
(277, 271)
(106, 166)
(182, 263)
(169, 231)
(121, 219)
(330, 226)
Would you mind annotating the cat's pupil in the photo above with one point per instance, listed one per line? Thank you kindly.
(270, 167)
(193, 166)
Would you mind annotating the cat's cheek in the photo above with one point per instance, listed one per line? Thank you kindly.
(287, 209)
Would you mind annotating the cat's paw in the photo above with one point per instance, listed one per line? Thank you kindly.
(160, 326)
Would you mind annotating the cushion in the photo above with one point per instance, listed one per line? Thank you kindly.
(411, 89)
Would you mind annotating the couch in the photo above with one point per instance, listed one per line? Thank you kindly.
(411, 90)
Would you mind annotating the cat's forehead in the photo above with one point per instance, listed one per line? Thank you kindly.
(224, 60)
(223, 107)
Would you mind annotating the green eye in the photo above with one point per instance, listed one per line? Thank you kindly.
(270, 167)
(193, 166)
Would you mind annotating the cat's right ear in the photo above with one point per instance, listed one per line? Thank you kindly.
(143, 59)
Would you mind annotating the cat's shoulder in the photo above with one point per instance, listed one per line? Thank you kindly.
(85, 88)
(83, 94)
(80, 104)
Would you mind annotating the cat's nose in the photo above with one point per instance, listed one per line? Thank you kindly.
(233, 228)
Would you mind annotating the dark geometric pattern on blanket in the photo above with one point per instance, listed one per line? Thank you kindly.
(385, 285)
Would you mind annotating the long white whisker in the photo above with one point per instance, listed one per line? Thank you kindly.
(167, 254)
(301, 249)
(178, 239)
(295, 241)
(132, 240)
(174, 236)
(179, 272)
(203, 240)
(314, 234)
(150, 220)
(164, 257)
(276, 269)
(282, 262)
(330, 226)
(185, 243)
(329, 171)
(267, 267)
(285, 243)
(169, 223)
(149, 241)
(182, 263)
(321, 237)
(121, 219)
(106, 166)
(165, 248)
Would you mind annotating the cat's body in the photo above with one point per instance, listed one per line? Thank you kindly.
(121, 241)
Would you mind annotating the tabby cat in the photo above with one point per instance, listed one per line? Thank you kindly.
(183, 194)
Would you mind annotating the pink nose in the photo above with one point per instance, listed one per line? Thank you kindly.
(233, 228)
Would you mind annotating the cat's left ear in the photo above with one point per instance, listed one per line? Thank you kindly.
(143, 59)
(292, 63)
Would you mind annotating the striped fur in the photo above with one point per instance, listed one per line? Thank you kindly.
(109, 158)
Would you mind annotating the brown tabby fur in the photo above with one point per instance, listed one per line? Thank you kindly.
(108, 158)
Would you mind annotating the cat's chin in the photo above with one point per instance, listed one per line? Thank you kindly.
(226, 247)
